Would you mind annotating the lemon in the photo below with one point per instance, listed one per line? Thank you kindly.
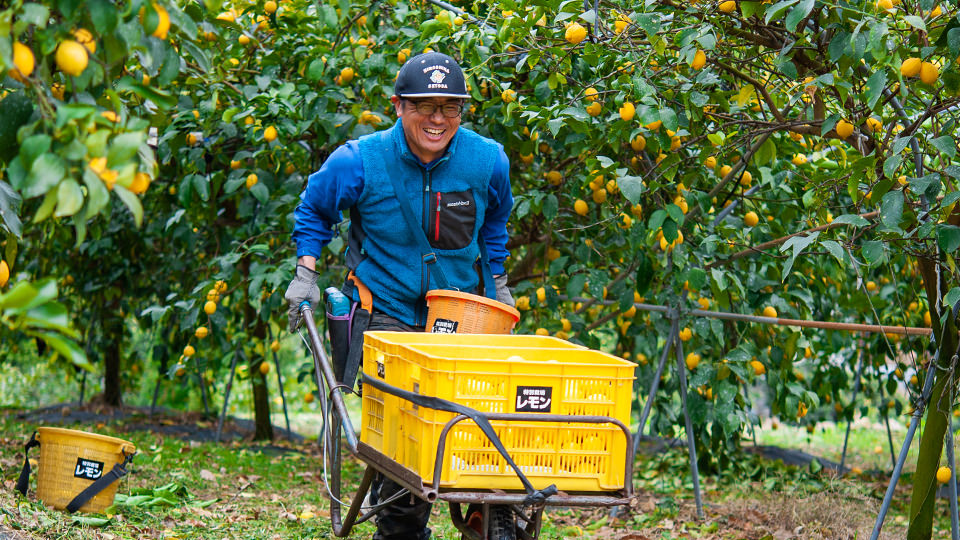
(625, 221)
(308, 398)
(844, 129)
(264, 368)
(553, 254)
(270, 134)
(251, 180)
(653, 126)
(4, 273)
(210, 307)
(594, 109)
(728, 6)
(580, 207)
(770, 311)
(725, 170)
(929, 72)
(163, 22)
(554, 178)
(600, 195)
(542, 332)
(85, 38)
(590, 94)
(220, 286)
(686, 334)
(944, 474)
(71, 57)
(188, 351)
(523, 303)
(235, 164)
(710, 162)
(403, 55)
(275, 346)
(271, 7)
(799, 159)
(692, 360)
(621, 24)
(874, 125)
(638, 143)
(141, 181)
(243, 39)
(346, 75)
(746, 178)
(201, 332)
(910, 67)
(884, 5)
(699, 60)
(871, 286)
(758, 367)
(565, 324)
(541, 295)
(627, 111)
(180, 370)
(751, 218)
(575, 33)
(509, 95)
(704, 303)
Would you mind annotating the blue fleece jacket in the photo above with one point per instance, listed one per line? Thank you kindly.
(347, 180)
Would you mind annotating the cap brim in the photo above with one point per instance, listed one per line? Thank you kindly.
(434, 94)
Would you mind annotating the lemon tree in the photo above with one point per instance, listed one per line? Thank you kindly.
(653, 148)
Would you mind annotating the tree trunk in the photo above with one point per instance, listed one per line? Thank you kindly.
(112, 340)
(261, 400)
(924, 497)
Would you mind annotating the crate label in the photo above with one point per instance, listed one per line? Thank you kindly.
(534, 398)
(445, 326)
(88, 468)
(381, 372)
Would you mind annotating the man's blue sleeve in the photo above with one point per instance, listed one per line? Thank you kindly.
(335, 187)
(499, 205)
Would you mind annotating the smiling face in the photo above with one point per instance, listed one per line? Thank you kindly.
(427, 135)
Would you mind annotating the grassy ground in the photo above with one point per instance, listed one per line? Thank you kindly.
(243, 489)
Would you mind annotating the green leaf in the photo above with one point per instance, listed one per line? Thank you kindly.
(875, 86)
(891, 164)
(835, 249)
(929, 185)
(797, 14)
(891, 209)
(47, 171)
(132, 203)
(631, 187)
(948, 237)
(645, 273)
(776, 10)
(550, 206)
(945, 144)
(260, 192)
(669, 118)
(953, 41)
(34, 147)
(851, 219)
(872, 251)
(201, 185)
(69, 198)
(9, 207)
(916, 22)
(19, 297)
(575, 285)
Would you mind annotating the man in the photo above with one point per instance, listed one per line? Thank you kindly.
(457, 185)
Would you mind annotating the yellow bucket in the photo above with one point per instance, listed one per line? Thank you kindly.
(71, 460)
(454, 312)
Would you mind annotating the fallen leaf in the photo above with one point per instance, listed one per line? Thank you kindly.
(207, 475)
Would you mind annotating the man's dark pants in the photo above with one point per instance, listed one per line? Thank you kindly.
(406, 518)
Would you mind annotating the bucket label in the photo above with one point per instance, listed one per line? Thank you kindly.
(534, 398)
(88, 468)
(445, 326)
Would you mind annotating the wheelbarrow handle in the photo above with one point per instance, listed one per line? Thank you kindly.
(322, 364)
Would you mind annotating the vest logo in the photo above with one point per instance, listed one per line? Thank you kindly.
(88, 469)
(455, 204)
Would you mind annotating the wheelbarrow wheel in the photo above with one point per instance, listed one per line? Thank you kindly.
(502, 524)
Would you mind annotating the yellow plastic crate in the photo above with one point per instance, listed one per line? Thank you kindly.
(500, 374)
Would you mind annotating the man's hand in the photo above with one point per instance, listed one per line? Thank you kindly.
(303, 287)
(503, 293)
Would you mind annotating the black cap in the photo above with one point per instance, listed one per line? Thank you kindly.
(431, 74)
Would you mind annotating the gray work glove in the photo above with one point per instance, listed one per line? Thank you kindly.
(503, 293)
(303, 287)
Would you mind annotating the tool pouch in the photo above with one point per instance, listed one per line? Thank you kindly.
(339, 326)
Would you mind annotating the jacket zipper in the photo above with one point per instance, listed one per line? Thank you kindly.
(436, 229)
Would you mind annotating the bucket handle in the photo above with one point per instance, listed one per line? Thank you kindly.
(119, 471)
(24, 481)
